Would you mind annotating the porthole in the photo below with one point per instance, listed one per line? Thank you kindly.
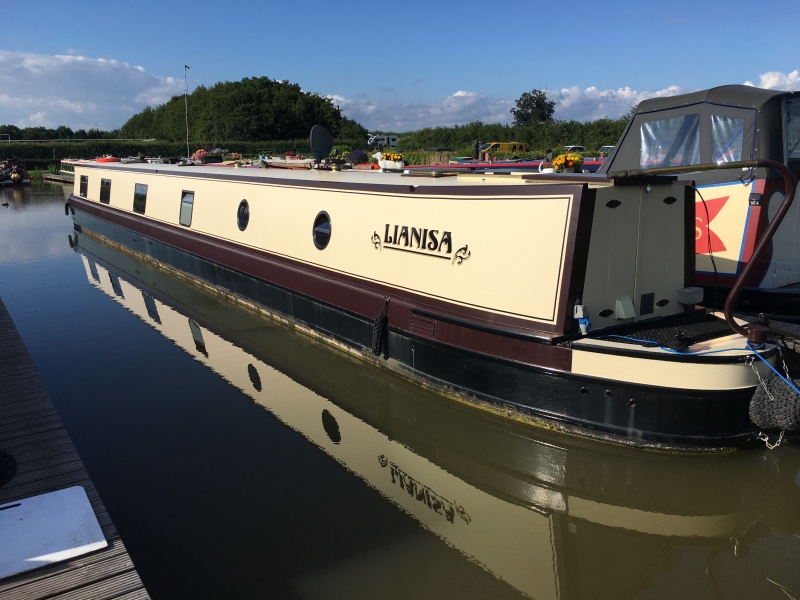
(322, 230)
(243, 215)
(331, 427)
(254, 377)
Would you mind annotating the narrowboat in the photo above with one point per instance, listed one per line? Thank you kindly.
(566, 301)
(524, 504)
(13, 174)
(734, 206)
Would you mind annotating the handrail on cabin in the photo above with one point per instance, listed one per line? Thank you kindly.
(754, 332)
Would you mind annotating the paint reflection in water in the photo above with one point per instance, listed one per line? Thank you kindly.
(554, 517)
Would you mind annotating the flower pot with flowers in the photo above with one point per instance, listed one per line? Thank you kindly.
(390, 160)
(356, 157)
(567, 163)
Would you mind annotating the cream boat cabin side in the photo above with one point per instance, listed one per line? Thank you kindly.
(475, 285)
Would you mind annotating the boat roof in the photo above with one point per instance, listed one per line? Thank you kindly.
(730, 95)
(434, 177)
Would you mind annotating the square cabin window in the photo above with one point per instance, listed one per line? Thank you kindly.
(105, 191)
(84, 189)
(187, 205)
(139, 198)
(793, 128)
(670, 142)
(727, 136)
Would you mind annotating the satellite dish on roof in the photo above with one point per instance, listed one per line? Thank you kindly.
(321, 142)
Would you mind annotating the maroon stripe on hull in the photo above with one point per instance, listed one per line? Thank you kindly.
(365, 299)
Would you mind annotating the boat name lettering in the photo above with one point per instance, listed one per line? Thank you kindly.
(423, 493)
(427, 242)
(424, 239)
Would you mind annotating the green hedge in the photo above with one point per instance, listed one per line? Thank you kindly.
(44, 152)
(591, 134)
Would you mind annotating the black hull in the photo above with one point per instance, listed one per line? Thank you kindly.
(644, 416)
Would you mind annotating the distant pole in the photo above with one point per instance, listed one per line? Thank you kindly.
(186, 102)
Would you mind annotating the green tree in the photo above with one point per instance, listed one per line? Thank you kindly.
(255, 108)
(533, 107)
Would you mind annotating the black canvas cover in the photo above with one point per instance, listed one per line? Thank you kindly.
(721, 124)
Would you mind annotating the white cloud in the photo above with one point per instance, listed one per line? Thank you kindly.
(464, 106)
(395, 115)
(581, 104)
(77, 91)
(775, 80)
(590, 104)
(82, 92)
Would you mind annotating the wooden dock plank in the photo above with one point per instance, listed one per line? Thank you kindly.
(106, 589)
(66, 580)
(32, 432)
(25, 455)
(116, 548)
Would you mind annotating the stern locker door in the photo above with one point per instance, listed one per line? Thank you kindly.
(660, 268)
(611, 268)
(637, 247)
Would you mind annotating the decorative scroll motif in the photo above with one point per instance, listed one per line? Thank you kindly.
(376, 240)
(424, 494)
(461, 255)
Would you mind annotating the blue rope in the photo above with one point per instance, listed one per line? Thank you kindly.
(774, 370)
(673, 351)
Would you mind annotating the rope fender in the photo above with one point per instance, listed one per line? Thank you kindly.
(379, 328)
(776, 402)
(775, 406)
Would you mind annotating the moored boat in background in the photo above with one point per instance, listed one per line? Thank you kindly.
(13, 173)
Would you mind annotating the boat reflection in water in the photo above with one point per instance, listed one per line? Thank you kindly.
(553, 516)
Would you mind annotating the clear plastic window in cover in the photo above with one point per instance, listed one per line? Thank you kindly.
(670, 142)
(727, 136)
(793, 127)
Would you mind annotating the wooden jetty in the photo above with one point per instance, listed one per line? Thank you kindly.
(58, 178)
(32, 432)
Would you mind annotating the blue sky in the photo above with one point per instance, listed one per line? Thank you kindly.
(392, 65)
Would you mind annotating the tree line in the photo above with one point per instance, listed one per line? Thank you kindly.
(260, 109)
(536, 136)
(533, 125)
(59, 133)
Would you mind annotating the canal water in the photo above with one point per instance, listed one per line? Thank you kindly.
(239, 459)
